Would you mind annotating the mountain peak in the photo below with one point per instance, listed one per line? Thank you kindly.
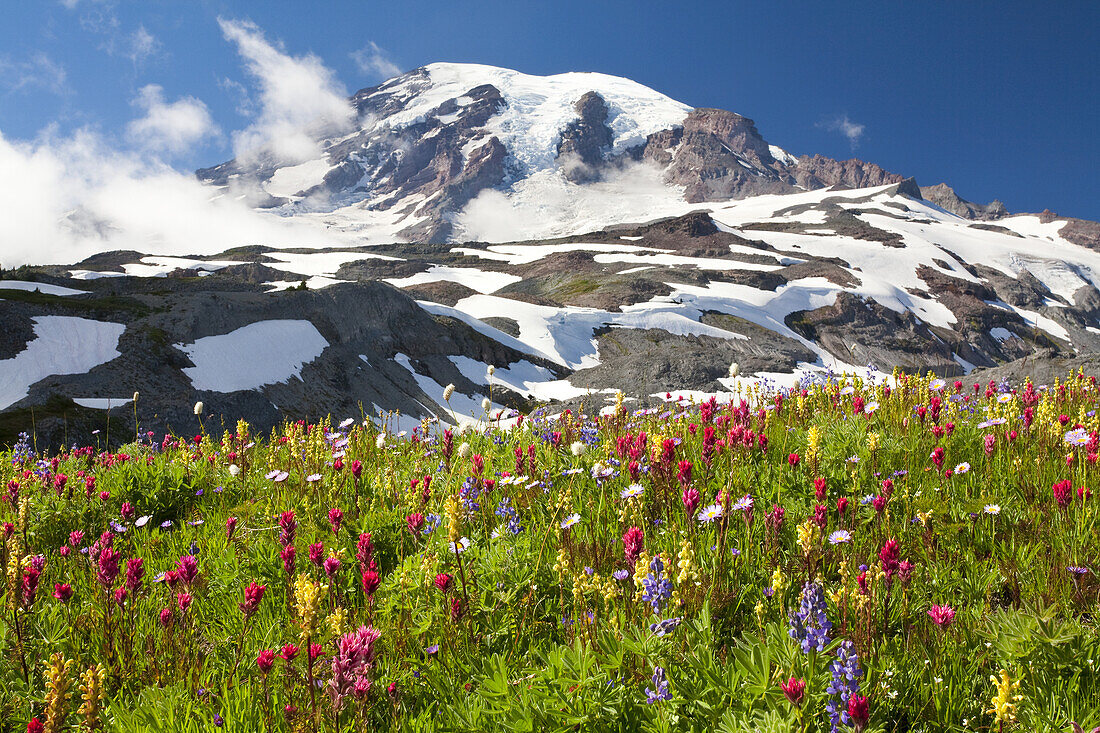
(453, 150)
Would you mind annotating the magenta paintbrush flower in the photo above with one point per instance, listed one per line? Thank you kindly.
(253, 594)
(335, 519)
(289, 527)
(371, 581)
(107, 569)
(633, 540)
(317, 553)
(690, 499)
(794, 689)
(188, 569)
(135, 573)
(62, 592)
(265, 660)
(942, 616)
(355, 654)
(287, 555)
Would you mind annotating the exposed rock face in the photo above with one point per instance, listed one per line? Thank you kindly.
(716, 155)
(584, 141)
(885, 336)
(821, 172)
(365, 325)
(443, 160)
(1079, 231)
(653, 361)
(945, 197)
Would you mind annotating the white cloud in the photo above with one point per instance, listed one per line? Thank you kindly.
(141, 44)
(846, 127)
(69, 196)
(38, 71)
(299, 98)
(170, 127)
(375, 63)
(66, 198)
(545, 204)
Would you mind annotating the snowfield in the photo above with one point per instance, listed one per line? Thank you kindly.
(262, 353)
(62, 345)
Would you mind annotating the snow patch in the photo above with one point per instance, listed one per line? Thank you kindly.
(481, 281)
(63, 345)
(44, 288)
(102, 403)
(261, 353)
(292, 180)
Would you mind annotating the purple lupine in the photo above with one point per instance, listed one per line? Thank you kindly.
(657, 589)
(666, 626)
(660, 687)
(845, 683)
(810, 625)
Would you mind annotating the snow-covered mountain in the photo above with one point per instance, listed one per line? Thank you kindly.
(581, 233)
(453, 152)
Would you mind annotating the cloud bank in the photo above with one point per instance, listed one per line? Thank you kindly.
(67, 197)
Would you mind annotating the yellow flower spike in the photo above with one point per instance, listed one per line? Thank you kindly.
(809, 536)
(1006, 699)
(337, 622)
(307, 599)
(92, 683)
(779, 582)
(686, 564)
(57, 693)
(454, 528)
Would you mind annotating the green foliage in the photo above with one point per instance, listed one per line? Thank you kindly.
(536, 626)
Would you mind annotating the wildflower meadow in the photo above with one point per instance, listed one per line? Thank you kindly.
(910, 554)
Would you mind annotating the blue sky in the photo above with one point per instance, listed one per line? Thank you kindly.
(999, 100)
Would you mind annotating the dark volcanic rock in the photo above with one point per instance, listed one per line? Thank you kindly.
(821, 172)
(945, 197)
(716, 155)
(584, 140)
(443, 292)
(365, 325)
(643, 362)
(863, 332)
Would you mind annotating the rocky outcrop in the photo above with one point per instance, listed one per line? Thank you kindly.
(945, 197)
(584, 140)
(364, 323)
(821, 172)
(645, 362)
(716, 155)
